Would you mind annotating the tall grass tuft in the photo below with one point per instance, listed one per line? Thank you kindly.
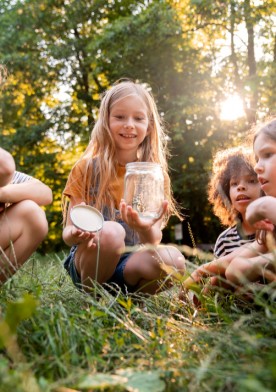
(72, 341)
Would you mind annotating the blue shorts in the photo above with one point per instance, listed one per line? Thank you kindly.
(117, 279)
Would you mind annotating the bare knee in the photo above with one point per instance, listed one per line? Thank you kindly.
(172, 256)
(33, 218)
(112, 235)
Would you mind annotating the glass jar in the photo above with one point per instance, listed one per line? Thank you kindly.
(144, 188)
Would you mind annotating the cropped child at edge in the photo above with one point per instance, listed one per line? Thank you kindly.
(23, 224)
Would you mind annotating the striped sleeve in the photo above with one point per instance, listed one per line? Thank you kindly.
(19, 177)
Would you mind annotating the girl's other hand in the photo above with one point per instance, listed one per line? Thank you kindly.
(132, 218)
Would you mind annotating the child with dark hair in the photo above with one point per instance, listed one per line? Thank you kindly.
(232, 187)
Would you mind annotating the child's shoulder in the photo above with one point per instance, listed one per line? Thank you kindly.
(84, 163)
(230, 231)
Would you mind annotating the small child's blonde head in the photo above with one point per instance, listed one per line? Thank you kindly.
(267, 128)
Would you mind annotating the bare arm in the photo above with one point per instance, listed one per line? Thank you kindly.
(260, 209)
(219, 266)
(7, 167)
(243, 270)
(29, 190)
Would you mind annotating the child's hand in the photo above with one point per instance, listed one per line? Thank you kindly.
(258, 211)
(132, 218)
(212, 269)
(264, 224)
(79, 236)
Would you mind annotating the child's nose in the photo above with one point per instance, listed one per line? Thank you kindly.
(241, 186)
(129, 123)
(258, 167)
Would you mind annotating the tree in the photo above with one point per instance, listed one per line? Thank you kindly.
(62, 54)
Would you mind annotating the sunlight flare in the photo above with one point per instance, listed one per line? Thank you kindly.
(232, 108)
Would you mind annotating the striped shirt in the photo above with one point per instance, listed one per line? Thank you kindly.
(19, 177)
(230, 239)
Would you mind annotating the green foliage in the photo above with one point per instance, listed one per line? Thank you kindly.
(20, 310)
(159, 343)
(179, 48)
(127, 379)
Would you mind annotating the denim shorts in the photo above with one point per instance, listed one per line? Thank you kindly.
(116, 280)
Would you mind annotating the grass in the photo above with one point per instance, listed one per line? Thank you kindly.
(57, 339)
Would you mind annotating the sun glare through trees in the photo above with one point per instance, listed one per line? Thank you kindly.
(232, 108)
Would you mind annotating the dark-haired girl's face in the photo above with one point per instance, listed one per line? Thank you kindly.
(265, 154)
(244, 188)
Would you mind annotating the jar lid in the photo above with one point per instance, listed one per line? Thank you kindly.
(86, 218)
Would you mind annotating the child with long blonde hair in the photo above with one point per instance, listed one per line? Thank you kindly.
(128, 129)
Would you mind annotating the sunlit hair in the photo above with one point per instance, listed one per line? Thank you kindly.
(267, 128)
(153, 148)
(227, 164)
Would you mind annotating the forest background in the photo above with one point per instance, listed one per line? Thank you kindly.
(196, 55)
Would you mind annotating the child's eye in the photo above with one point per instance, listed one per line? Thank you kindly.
(139, 118)
(119, 117)
(233, 183)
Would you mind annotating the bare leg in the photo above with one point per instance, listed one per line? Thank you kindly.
(144, 268)
(23, 226)
(112, 245)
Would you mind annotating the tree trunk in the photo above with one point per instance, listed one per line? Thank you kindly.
(252, 69)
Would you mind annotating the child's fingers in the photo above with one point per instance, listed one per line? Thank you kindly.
(165, 207)
(215, 267)
(163, 212)
(91, 243)
(264, 225)
(123, 208)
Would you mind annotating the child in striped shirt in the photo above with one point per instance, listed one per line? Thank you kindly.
(232, 187)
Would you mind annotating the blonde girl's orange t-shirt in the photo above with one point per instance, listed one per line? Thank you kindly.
(74, 185)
